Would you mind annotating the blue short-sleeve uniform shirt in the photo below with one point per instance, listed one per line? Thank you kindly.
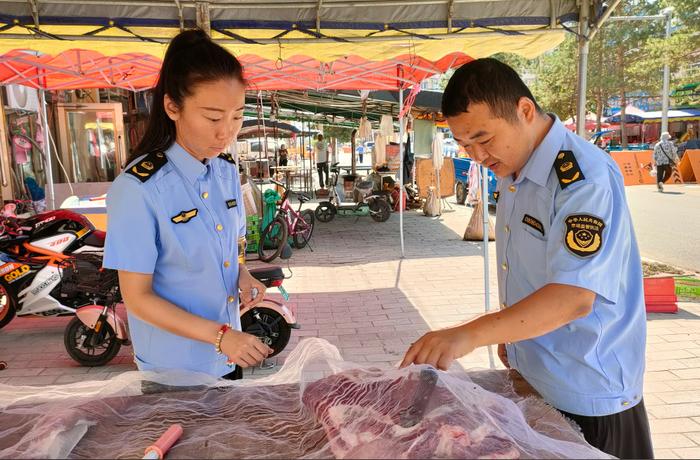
(565, 220)
(180, 220)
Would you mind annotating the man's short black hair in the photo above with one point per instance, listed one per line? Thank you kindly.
(487, 81)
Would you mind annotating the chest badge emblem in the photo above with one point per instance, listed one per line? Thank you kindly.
(184, 216)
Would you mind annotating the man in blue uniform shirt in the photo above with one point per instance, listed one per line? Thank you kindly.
(572, 318)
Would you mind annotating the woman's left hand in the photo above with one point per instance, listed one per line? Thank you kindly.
(252, 290)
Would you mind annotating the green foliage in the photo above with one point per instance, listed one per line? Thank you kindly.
(623, 57)
(339, 132)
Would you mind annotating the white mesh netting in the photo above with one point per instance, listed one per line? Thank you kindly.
(316, 406)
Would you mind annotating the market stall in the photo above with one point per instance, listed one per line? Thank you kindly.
(316, 406)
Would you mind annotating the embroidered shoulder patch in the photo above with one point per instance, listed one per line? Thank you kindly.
(228, 157)
(184, 216)
(147, 167)
(231, 203)
(496, 195)
(567, 168)
(584, 234)
(534, 223)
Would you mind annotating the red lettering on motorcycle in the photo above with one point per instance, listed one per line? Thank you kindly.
(57, 242)
(8, 268)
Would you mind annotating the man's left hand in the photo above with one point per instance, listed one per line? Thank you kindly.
(439, 348)
(250, 286)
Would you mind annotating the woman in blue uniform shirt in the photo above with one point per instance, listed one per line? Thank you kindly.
(176, 223)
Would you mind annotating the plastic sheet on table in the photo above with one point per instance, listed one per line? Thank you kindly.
(316, 406)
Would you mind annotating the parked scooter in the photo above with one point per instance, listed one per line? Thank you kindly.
(52, 265)
(376, 203)
(271, 321)
(88, 344)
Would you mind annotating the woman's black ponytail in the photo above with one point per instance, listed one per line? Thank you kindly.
(191, 58)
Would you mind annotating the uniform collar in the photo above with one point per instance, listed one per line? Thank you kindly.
(188, 165)
(540, 164)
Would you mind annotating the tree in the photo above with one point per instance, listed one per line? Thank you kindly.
(555, 86)
(338, 132)
(679, 51)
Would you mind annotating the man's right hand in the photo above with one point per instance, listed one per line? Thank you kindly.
(243, 349)
(503, 355)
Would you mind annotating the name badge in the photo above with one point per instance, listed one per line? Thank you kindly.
(534, 223)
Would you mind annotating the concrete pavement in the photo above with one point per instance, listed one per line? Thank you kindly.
(356, 292)
(667, 223)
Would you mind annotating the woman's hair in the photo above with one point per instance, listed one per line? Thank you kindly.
(191, 58)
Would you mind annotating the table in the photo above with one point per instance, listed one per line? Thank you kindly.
(119, 418)
(348, 169)
(287, 170)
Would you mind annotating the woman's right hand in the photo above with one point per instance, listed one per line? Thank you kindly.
(243, 349)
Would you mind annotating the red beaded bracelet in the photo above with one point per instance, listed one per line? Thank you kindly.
(220, 336)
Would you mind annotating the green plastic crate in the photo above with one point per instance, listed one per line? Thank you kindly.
(252, 233)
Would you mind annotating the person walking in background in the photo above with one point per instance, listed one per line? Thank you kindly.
(283, 155)
(321, 149)
(665, 158)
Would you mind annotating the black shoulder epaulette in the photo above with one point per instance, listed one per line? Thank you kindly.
(147, 166)
(227, 157)
(567, 168)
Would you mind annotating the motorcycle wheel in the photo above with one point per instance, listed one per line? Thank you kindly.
(77, 332)
(325, 211)
(269, 326)
(7, 307)
(379, 210)
(304, 230)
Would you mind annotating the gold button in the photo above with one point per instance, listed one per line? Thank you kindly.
(227, 264)
(625, 403)
(507, 229)
(205, 195)
(219, 227)
(511, 188)
(504, 266)
(231, 299)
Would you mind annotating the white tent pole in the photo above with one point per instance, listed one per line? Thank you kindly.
(401, 191)
(666, 89)
(487, 290)
(583, 45)
(47, 151)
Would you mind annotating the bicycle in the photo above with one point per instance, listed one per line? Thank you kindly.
(288, 222)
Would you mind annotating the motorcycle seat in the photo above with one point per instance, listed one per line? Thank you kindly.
(267, 275)
(96, 239)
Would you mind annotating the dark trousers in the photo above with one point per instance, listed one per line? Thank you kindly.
(623, 435)
(283, 161)
(663, 172)
(235, 375)
(322, 169)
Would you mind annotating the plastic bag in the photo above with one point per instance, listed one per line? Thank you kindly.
(316, 406)
(475, 227)
(432, 206)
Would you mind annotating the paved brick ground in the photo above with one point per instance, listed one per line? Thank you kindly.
(355, 291)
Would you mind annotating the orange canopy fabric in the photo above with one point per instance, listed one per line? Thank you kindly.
(79, 69)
